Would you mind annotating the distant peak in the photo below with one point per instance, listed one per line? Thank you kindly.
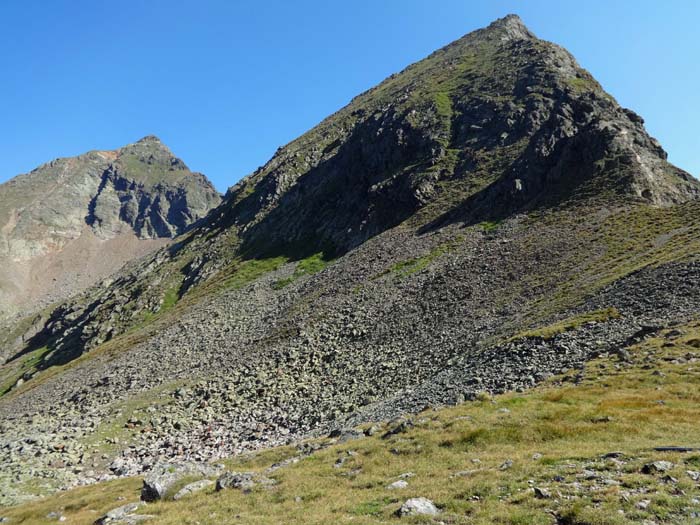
(149, 139)
(149, 142)
(512, 28)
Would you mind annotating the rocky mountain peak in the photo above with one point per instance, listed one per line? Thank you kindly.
(150, 155)
(102, 198)
(495, 123)
(152, 139)
(511, 27)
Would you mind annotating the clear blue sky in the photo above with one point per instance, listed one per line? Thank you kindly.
(224, 83)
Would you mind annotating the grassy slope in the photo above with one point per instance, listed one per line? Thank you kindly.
(456, 455)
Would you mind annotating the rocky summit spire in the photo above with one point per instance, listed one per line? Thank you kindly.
(511, 27)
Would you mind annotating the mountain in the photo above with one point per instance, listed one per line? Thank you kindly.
(482, 221)
(73, 221)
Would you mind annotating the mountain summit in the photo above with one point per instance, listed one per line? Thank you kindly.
(512, 28)
(74, 220)
(492, 124)
(476, 223)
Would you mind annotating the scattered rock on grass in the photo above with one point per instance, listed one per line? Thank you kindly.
(123, 515)
(191, 488)
(418, 506)
(542, 493)
(241, 480)
(656, 467)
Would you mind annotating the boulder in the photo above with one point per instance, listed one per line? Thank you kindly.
(245, 481)
(417, 507)
(542, 493)
(123, 515)
(191, 488)
(162, 478)
(656, 467)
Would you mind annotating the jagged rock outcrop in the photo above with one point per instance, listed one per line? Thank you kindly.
(72, 221)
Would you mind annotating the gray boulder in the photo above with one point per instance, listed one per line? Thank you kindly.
(162, 478)
(191, 488)
(417, 507)
(119, 512)
(245, 481)
(656, 467)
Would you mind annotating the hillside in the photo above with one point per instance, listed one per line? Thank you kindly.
(479, 223)
(74, 221)
(576, 450)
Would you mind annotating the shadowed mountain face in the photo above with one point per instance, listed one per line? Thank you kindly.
(481, 220)
(75, 220)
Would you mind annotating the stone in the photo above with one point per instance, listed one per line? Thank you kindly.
(656, 467)
(542, 493)
(162, 477)
(417, 507)
(398, 426)
(119, 515)
(508, 463)
(155, 486)
(372, 430)
(613, 455)
(244, 481)
(345, 434)
(191, 488)
(400, 484)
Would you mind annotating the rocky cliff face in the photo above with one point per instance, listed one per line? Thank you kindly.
(99, 209)
(477, 222)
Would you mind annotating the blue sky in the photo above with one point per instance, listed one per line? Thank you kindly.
(224, 83)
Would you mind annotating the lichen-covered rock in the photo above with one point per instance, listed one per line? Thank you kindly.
(242, 480)
(656, 467)
(418, 507)
(192, 488)
(158, 482)
(123, 515)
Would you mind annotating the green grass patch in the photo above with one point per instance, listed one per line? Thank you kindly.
(371, 508)
(308, 266)
(548, 332)
(11, 372)
(489, 226)
(248, 271)
(415, 265)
